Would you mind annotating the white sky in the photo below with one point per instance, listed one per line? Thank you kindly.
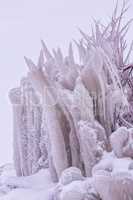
(22, 24)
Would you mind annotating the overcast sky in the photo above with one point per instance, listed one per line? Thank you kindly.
(22, 24)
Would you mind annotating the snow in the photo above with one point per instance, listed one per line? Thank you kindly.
(40, 186)
(36, 187)
(74, 191)
(111, 163)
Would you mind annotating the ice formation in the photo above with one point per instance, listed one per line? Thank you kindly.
(69, 115)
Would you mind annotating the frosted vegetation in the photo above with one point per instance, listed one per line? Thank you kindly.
(76, 118)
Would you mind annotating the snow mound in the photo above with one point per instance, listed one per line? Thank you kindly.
(35, 187)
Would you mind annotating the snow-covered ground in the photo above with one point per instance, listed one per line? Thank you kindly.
(35, 187)
(72, 185)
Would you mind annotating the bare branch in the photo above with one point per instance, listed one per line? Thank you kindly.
(129, 53)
